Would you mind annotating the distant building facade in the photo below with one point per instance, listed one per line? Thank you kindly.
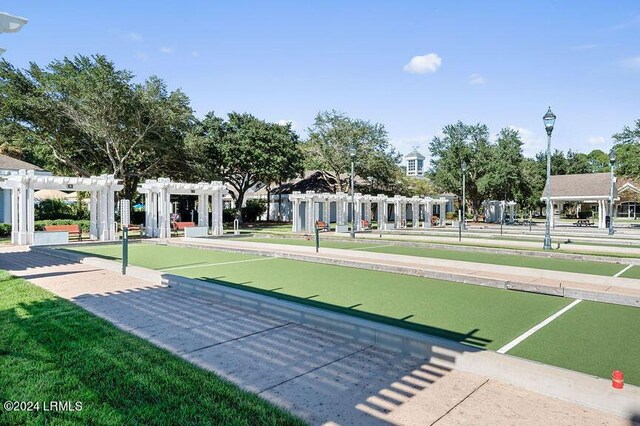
(10, 165)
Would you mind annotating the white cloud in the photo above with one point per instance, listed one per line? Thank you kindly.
(585, 46)
(595, 140)
(128, 36)
(632, 63)
(195, 54)
(166, 49)
(476, 79)
(424, 64)
(142, 56)
(531, 143)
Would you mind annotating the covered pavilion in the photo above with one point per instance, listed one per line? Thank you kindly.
(157, 194)
(584, 189)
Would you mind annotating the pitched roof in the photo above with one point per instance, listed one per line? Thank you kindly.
(415, 154)
(580, 185)
(10, 163)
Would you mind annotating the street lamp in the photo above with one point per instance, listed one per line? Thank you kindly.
(549, 121)
(352, 152)
(612, 162)
(10, 24)
(464, 174)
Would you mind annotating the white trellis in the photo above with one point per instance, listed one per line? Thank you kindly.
(157, 203)
(23, 184)
(311, 207)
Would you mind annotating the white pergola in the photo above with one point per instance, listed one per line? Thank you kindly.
(494, 210)
(157, 194)
(310, 207)
(25, 182)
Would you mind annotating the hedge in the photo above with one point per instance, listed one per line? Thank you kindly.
(5, 229)
(84, 224)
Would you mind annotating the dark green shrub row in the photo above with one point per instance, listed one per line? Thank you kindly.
(84, 224)
(5, 229)
(53, 209)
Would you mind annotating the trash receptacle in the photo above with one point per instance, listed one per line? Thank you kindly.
(607, 221)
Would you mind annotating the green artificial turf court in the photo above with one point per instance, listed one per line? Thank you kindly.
(476, 315)
(53, 350)
(594, 338)
(564, 265)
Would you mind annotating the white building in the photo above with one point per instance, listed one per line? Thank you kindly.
(9, 165)
(415, 163)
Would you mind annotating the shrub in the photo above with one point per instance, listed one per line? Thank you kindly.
(83, 224)
(5, 229)
(229, 215)
(451, 215)
(54, 208)
(253, 209)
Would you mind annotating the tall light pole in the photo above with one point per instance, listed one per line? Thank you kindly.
(549, 121)
(10, 24)
(353, 195)
(464, 201)
(612, 162)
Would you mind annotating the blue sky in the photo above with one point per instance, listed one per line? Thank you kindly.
(501, 62)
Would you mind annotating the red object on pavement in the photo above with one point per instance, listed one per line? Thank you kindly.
(617, 379)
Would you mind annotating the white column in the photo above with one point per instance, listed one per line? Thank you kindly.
(357, 213)
(326, 210)
(103, 231)
(443, 213)
(202, 212)
(415, 214)
(15, 203)
(93, 216)
(7, 206)
(600, 215)
(30, 216)
(111, 215)
(428, 213)
(294, 215)
(311, 218)
(383, 208)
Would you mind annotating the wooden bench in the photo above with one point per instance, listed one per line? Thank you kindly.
(322, 226)
(583, 222)
(71, 229)
(179, 226)
(365, 224)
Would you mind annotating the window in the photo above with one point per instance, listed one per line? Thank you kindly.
(420, 165)
(411, 165)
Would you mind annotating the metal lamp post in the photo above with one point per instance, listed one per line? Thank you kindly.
(549, 121)
(464, 175)
(612, 162)
(353, 195)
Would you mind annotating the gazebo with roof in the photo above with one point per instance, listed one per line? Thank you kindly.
(587, 188)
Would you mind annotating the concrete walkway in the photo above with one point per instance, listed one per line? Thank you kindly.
(579, 286)
(324, 378)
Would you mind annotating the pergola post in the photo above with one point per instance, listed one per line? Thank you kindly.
(383, 211)
(415, 212)
(428, 212)
(203, 220)
(93, 225)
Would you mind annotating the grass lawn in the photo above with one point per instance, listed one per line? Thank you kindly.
(565, 265)
(53, 350)
(596, 338)
(475, 315)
